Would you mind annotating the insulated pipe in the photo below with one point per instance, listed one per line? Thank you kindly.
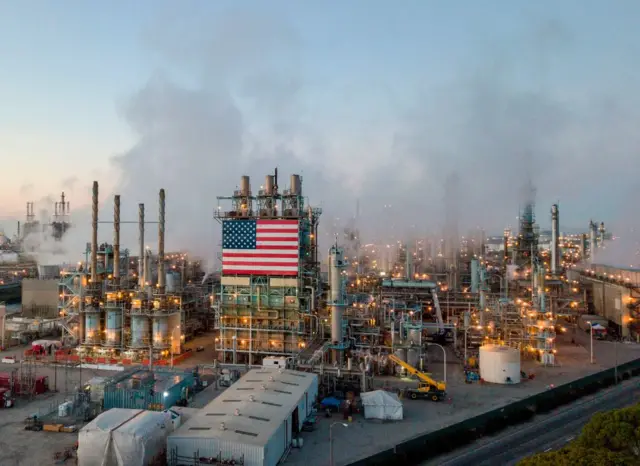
(555, 246)
(141, 269)
(161, 272)
(94, 235)
(116, 239)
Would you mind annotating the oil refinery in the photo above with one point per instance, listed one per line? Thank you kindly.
(427, 317)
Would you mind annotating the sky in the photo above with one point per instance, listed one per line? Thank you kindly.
(373, 101)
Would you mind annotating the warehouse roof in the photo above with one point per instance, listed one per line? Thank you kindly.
(252, 409)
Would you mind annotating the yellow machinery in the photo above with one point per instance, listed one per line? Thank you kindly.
(427, 387)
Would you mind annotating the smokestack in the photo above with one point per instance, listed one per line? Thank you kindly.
(141, 270)
(18, 229)
(62, 203)
(555, 239)
(116, 239)
(161, 272)
(94, 235)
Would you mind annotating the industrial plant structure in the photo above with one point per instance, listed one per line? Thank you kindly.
(131, 308)
(270, 278)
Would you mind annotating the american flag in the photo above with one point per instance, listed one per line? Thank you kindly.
(260, 247)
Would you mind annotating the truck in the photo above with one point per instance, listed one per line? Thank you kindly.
(600, 324)
(428, 388)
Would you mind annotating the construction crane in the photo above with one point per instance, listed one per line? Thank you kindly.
(427, 387)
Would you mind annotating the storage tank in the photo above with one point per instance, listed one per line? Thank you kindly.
(114, 327)
(139, 331)
(160, 331)
(92, 327)
(499, 364)
(173, 281)
(413, 357)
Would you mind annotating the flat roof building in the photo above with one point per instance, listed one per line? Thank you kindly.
(252, 422)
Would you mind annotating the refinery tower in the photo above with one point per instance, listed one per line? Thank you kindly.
(270, 272)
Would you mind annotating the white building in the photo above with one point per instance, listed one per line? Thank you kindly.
(254, 420)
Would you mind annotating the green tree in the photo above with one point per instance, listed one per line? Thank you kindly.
(609, 439)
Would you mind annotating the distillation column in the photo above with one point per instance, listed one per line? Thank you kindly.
(336, 299)
(593, 240)
(555, 239)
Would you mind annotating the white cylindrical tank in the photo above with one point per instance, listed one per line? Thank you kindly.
(114, 327)
(139, 331)
(92, 327)
(499, 364)
(160, 331)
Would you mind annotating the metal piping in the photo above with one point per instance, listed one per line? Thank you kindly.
(141, 259)
(116, 239)
(94, 235)
(555, 239)
(161, 271)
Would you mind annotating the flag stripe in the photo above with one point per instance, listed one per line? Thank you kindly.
(260, 247)
(262, 272)
(286, 255)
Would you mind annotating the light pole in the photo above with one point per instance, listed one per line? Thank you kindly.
(445, 359)
(591, 340)
(331, 440)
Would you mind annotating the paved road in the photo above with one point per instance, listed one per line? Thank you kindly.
(545, 433)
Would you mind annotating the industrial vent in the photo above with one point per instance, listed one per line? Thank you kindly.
(294, 374)
(271, 404)
(243, 432)
(231, 401)
(216, 414)
(253, 380)
(263, 372)
(290, 383)
(245, 388)
(199, 428)
(285, 392)
(259, 418)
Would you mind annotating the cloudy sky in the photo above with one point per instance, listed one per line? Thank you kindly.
(369, 100)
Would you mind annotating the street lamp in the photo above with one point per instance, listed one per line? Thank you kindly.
(331, 440)
(591, 339)
(445, 359)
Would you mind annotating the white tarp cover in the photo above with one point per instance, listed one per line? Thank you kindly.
(381, 404)
(124, 437)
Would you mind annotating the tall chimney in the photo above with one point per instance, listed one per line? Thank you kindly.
(116, 239)
(161, 272)
(555, 239)
(141, 278)
(94, 235)
(18, 229)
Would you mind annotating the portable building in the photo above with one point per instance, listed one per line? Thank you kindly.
(252, 422)
(124, 437)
